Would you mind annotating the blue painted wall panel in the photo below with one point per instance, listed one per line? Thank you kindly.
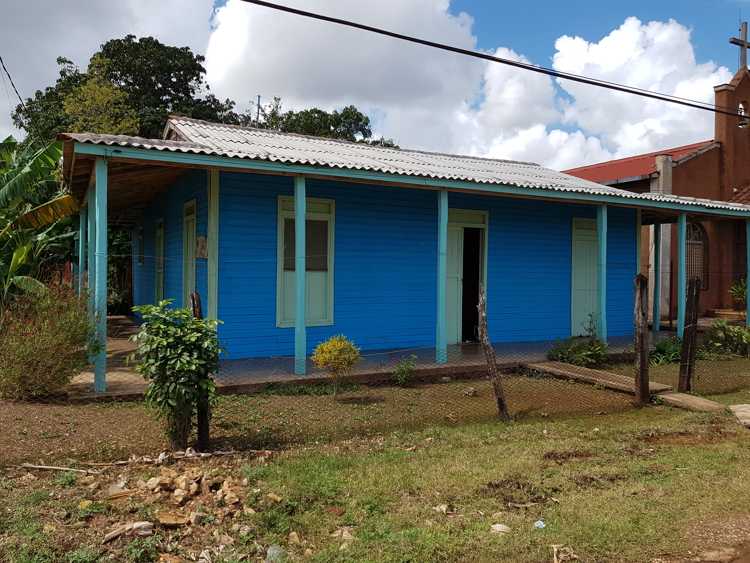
(385, 260)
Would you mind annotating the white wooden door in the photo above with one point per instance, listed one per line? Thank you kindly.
(454, 290)
(584, 300)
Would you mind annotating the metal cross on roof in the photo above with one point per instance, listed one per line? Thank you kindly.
(742, 43)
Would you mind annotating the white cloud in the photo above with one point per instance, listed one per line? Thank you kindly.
(656, 56)
(433, 100)
(422, 97)
(33, 33)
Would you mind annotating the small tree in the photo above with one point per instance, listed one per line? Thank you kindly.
(176, 354)
(337, 356)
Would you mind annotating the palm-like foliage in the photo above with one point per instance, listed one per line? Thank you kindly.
(27, 172)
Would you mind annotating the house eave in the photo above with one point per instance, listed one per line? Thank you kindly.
(183, 159)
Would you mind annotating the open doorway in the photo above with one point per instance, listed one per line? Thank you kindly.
(465, 273)
(472, 278)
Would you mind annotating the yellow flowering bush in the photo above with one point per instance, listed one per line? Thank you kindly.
(338, 356)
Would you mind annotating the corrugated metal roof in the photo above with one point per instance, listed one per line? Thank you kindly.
(202, 137)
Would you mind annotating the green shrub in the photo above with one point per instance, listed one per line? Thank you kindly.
(725, 339)
(582, 351)
(44, 342)
(176, 354)
(667, 351)
(338, 355)
(403, 373)
(738, 291)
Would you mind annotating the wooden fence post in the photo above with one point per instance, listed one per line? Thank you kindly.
(687, 359)
(203, 408)
(489, 354)
(642, 392)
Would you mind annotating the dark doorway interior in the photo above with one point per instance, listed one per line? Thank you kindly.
(472, 261)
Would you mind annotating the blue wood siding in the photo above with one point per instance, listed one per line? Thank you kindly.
(385, 261)
(384, 290)
(168, 207)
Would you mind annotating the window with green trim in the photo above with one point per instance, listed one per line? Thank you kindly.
(318, 262)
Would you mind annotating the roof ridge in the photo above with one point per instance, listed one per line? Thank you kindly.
(345, 142)
(642, 155)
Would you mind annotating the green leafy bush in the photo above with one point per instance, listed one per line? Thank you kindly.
(725, 339)
(582, 351)
(403, 373)
(738, 291)
(667, 351)
(176, 354)
(338, 355)
(45, 339)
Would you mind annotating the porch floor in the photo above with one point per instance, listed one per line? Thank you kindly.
(464, 360)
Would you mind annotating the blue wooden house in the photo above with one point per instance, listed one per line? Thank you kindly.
(290, 239)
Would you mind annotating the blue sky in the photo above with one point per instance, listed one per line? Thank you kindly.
(532, 27)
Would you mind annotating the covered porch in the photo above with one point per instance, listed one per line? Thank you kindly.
(116, 178)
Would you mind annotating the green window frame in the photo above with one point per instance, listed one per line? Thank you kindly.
(159, 261)
(319, 258)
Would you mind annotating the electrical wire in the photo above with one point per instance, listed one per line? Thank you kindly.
(706, 106)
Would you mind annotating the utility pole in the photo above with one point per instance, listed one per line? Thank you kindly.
(257, 113)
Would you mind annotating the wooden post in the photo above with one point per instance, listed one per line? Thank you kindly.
(489, 354)
(681, 274)
(640, 315)
(656, 322)
(203, 407)
(687, 360)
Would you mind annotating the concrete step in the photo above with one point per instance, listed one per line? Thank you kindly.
(742, 412)
(603, 378)
(690, 402)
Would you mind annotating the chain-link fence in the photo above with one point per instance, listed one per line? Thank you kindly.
(542, 373)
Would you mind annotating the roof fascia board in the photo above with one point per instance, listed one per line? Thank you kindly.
(230, 163)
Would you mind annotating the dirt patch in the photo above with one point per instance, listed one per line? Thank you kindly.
(517, 492)
(360, 400)
(561, 457)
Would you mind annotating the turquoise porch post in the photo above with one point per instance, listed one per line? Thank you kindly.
(90, 249)
(656, 324)
(601, 231)
(300, 335)
(213, 244)
(100, 279)
(441, 334)
(681, 272)
(747, 270)
(82, 220)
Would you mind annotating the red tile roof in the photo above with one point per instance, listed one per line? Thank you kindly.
(633, 166)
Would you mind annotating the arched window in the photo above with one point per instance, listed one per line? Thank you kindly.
(697, 253)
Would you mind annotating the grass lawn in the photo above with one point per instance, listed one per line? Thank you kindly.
(625, 486)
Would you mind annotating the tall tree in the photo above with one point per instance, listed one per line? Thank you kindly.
(43, 115)
(99, 107)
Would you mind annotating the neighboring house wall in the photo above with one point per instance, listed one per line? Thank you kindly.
(385, 263)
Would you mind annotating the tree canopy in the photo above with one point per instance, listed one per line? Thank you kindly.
(132, 84)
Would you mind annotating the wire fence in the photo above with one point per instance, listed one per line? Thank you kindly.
(391, 387)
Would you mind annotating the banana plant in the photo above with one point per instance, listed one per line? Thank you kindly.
(26, 172)
(12, 278)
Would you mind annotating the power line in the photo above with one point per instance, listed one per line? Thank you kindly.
(10, 78)
(518, 64)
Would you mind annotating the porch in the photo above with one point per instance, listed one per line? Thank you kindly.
(464, 361)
